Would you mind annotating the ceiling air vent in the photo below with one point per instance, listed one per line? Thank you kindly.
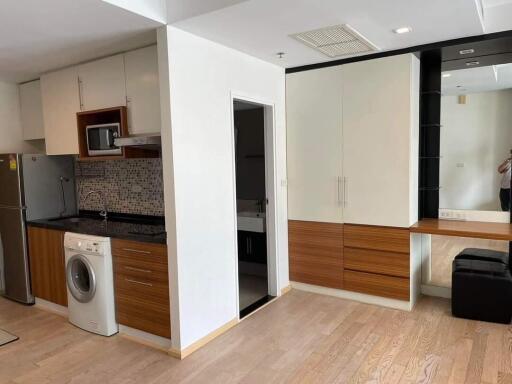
(338, 40)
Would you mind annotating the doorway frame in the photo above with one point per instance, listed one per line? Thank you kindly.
(270, 190)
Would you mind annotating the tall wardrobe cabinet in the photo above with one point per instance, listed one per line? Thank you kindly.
(352, 138)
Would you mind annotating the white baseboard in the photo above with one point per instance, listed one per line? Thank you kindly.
(145, 338)
(361, 297)
(51, 307)
(431, 290)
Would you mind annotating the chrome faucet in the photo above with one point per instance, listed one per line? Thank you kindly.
(103, 213)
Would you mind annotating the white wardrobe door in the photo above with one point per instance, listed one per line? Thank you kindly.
(376, 141)
(314, 133)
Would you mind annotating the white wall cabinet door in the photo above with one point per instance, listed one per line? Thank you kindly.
(102, 83)
(314, 149)
(142, 90)
(60, 99)
(380, 127)
(31, 110)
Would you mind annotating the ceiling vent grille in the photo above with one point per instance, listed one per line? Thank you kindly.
(335, 41)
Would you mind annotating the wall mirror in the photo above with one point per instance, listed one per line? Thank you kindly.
(476, 137)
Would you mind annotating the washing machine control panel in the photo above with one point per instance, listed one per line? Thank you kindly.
(89, 246)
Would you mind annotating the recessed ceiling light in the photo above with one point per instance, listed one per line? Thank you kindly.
(447, 74)
(402, 30)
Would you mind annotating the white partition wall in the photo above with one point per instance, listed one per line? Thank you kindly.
(203, 77)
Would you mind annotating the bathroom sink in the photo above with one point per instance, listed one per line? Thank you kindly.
(251, 222)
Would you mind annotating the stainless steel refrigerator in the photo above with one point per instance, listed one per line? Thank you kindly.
(31, 187)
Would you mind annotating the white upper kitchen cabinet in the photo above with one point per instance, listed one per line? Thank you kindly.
(31, 110)
(314, 145)
(380, 141)
(59, 91)
(102, 83)
(142, 90)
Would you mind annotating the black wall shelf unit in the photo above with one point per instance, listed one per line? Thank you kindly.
(430, 133)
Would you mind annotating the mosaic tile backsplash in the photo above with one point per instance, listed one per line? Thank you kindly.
(130, 186)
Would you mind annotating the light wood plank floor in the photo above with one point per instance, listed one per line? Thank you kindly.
(300, 338)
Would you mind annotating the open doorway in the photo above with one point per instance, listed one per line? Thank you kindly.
(251, 205)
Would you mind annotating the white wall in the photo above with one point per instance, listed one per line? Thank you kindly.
(11, 139)
(475, 138)
(203, 77)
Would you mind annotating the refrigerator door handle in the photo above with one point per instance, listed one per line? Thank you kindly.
(12, 207)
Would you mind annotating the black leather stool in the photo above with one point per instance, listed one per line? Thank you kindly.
(482, 286)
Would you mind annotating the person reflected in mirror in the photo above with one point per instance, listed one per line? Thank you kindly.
(505, 170)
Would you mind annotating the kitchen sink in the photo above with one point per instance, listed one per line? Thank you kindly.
(251, 221)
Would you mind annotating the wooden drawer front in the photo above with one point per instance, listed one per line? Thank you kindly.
(152, 290)
(156, 253)
(383, 262)
(316, 253)
(378, 238)
(143, 315)
(143, 269)
(375, 284)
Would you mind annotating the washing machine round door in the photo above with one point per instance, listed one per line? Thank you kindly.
(80, 278)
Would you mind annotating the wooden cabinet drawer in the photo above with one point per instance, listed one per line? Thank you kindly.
(156, 253)
(316, 253)
(143, 315)
(378, 238)
(374, 261)
(375, 284)
(142, 288)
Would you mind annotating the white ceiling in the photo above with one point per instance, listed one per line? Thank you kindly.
(37, 36)
(262, 27)
(474, 80)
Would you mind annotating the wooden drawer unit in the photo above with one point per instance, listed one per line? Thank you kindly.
(142, 286)
(383, 262)
(377, 260)
(316, 253)
(378, 238)
(376, 284)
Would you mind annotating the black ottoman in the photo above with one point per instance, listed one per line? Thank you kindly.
(482, 286)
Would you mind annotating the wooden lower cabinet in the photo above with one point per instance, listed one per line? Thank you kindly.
(316, 253)
(47, 264)
(377, 260)
(142, 286)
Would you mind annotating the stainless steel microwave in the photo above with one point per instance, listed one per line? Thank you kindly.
(100, 139)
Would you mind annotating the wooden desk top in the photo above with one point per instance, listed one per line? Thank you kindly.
(474, 229)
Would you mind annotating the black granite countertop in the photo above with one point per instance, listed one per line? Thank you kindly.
(148, 229)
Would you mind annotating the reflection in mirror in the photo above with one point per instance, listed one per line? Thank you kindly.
(476, 138)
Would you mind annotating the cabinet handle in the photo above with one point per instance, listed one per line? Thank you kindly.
(137, 269)
(345, 191)
(138, 282)
(247, 245)
(250, 245)
(80, 97)
(340, 199)
(136, 251)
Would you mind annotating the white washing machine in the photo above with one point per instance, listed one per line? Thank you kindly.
(90, 283)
